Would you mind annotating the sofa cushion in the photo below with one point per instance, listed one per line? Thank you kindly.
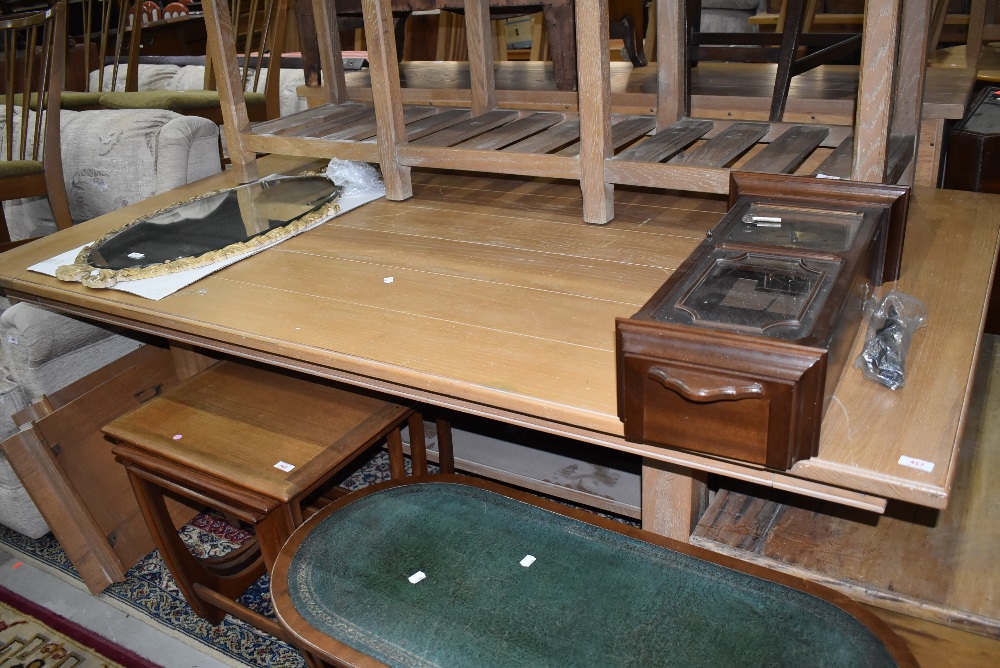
(113, 158)
(46, 351)
(17, 510)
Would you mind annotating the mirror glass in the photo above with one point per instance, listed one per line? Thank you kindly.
(213, 222)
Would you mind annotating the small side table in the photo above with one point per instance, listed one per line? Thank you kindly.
(255, 444)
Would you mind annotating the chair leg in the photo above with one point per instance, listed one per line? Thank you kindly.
(446, 455)
(4, 232)
(181, 563)
(58, 200)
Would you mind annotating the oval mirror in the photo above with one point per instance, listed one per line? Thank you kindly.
(206, 229)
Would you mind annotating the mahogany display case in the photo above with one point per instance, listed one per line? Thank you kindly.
(737, 353)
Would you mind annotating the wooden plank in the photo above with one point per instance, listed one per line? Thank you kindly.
(439, 121)
(332, 123)
(673, 498)
(313, 147)
(908, 91)
(624, 130)
(927, 417)
(838, 163)
(672, 94)
(594, 77)
(876, 88)
(555, 137)
(222, 51)
(461, 131)
(788, 151)
(328, 43)
(660, 175)
(479, 39)
(666, 142)
(513, 132)
(64, 510)
(384, 67)
(306, 118)
(724, 148)
(925, 563)
(367, 126)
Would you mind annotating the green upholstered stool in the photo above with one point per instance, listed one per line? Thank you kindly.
(598, 593)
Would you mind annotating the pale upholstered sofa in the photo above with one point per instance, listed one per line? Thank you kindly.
(163, 76)
(730, 15)
(111, 159)
(42, 352)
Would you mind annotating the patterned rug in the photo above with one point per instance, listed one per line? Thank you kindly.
(149, 591)
(34, 637)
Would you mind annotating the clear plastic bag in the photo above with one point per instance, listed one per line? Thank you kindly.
(891, 325)
(354, 176)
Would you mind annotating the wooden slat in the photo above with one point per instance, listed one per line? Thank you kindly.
(625, 129)
(553, 138)
(475, 160)
(312, 147)
(723, 149)
(666, 142)
(432, 124)
(331, 124)
(466, 129)
(838, 163)
(315, 116)
(366, 127)
(788, 151)
(513, 132)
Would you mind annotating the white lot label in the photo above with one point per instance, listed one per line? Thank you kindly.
(915, 463)
(417, 577)
(284, 466)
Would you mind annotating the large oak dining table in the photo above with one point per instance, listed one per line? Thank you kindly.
(490, 296)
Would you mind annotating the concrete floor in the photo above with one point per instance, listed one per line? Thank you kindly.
(77, 604)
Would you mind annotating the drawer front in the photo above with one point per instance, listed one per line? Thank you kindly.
(708, 410)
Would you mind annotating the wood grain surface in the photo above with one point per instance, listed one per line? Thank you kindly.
(502, 303)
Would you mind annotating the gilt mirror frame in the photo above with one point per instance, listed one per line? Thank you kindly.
(93, 276)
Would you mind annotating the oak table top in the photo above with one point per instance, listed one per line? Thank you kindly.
(502, 304)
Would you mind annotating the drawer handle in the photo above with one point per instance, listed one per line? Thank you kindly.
(725, 393)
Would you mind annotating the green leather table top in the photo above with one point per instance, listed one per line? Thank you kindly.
(592, 597)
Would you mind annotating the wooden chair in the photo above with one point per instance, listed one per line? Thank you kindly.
(109, 44)
(984, 26)
(258, 35)
(793, 35)
(260, 446)
(34, 48)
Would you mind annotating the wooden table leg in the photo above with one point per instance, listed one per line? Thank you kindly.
(673, 498)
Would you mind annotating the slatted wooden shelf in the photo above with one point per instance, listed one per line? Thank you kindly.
(595, 146)
(697, 154)
(693, 154)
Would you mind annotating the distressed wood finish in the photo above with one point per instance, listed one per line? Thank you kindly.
(220, 439)
(69, 471)
(921, 562)
(506, 265)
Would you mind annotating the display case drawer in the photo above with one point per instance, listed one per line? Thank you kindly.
(760, 404)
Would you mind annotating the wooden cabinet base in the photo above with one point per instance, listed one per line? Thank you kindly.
(68, 469)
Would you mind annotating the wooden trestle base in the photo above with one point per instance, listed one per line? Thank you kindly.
(593, 146)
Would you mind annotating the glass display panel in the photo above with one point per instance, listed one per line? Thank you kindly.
(796, 227)
(758, 293)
